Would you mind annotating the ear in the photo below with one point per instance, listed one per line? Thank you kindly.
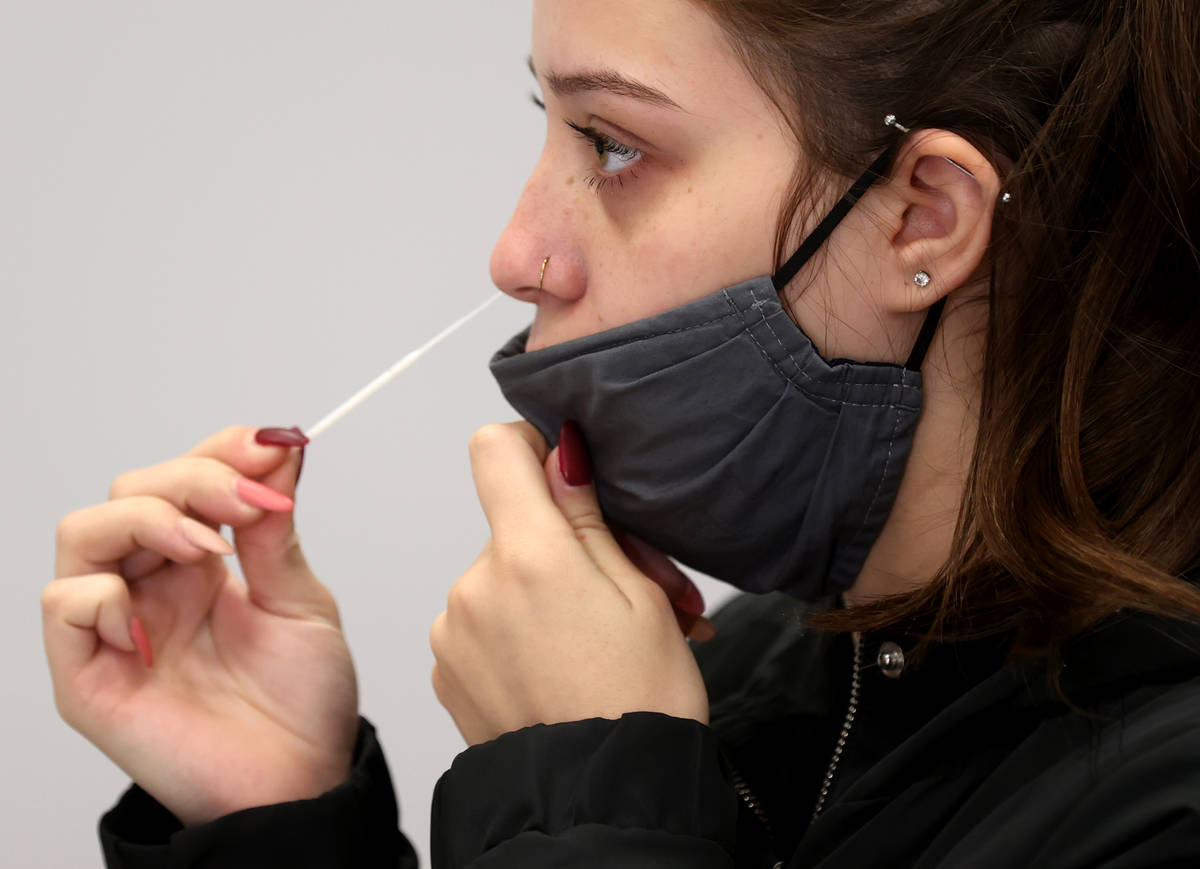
(938, 209)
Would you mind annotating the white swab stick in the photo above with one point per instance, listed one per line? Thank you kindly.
(384, 379)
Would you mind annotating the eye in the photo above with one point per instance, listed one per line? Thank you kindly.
(614, 157)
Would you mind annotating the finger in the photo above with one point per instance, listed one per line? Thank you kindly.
(273, 564)
(96, 539)
(702, 631)
(236, 447)
(141, 564)
(506, 463)
(80, 613)
(260, 513)
(203, 487)
(146, 561)
(568, 473)
(681, 591)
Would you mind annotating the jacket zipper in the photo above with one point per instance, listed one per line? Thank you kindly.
(752, 802)
(747, 796)
(847, 725)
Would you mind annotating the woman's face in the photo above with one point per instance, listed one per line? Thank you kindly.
(662, 174)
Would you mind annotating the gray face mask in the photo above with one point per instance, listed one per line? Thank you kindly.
(718, 434)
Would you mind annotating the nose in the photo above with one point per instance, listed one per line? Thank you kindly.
(540, 232)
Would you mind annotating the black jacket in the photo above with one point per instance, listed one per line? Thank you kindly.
(954, 761)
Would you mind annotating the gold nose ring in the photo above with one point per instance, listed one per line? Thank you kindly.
(542, 278)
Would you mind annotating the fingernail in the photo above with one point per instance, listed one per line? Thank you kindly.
(702, 631)
(691, 601)
(299, 467)
(257, 495)
(137, 633)
(687, 622)
(281, 437)
(199, 534)
(573, 461)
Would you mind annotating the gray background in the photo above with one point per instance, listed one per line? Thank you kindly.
(238, 213)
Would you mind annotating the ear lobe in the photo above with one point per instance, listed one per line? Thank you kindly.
(947, 188)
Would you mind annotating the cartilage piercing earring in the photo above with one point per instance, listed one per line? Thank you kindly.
(542, 277)
(961, 169)
(922, 279)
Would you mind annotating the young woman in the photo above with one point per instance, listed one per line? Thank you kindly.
(886, 312)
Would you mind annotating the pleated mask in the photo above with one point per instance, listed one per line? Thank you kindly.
(719, 435)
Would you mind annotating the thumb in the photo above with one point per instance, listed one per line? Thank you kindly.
(569, 473)
(273, 564)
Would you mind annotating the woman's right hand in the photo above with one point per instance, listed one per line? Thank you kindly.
(251, 698)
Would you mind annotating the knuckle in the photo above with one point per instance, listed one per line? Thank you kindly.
(488, 439)
(119, 486)
(461, 599)
(437, 635)
(67, 707)
(589, 522)
(52, 596)
(198, 467)
(506, 561)
(69, 528)
(232, 434)
(439, 684)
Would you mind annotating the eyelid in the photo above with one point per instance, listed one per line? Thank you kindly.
(613, 131)
(600, 137)
(620, 134)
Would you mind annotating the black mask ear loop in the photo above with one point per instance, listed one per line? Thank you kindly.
(825, 228)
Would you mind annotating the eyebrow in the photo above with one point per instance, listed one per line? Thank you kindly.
(604, 80)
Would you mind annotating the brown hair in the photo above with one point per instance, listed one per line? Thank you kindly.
(1084, 491)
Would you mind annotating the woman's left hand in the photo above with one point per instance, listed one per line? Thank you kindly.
(554, 622)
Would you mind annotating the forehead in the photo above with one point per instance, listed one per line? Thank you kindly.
(671, 45)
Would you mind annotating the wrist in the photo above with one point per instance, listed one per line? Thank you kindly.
(265, 791)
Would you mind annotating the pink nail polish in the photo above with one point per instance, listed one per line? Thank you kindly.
(257, 495)
(137, 632)
(204, 537)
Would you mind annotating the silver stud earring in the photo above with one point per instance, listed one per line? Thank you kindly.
(890, 121)
(1006, 198)
(922, 279)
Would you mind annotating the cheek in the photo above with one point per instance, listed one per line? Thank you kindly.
(681, 237)
(704, 241)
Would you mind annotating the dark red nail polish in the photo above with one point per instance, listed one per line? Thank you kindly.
(573, 461)
(686, 621)
(280, 437)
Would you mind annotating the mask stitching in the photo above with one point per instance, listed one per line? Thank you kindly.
(758, 306)
(800, 387)
(887, 463)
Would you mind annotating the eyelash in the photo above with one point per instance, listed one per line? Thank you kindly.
(601, 144)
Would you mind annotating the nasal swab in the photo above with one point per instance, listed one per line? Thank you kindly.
(384, 379)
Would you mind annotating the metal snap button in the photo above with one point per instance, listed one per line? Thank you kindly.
(891, 660)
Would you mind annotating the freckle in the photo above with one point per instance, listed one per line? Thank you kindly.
(689, 190)
(570, 180)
